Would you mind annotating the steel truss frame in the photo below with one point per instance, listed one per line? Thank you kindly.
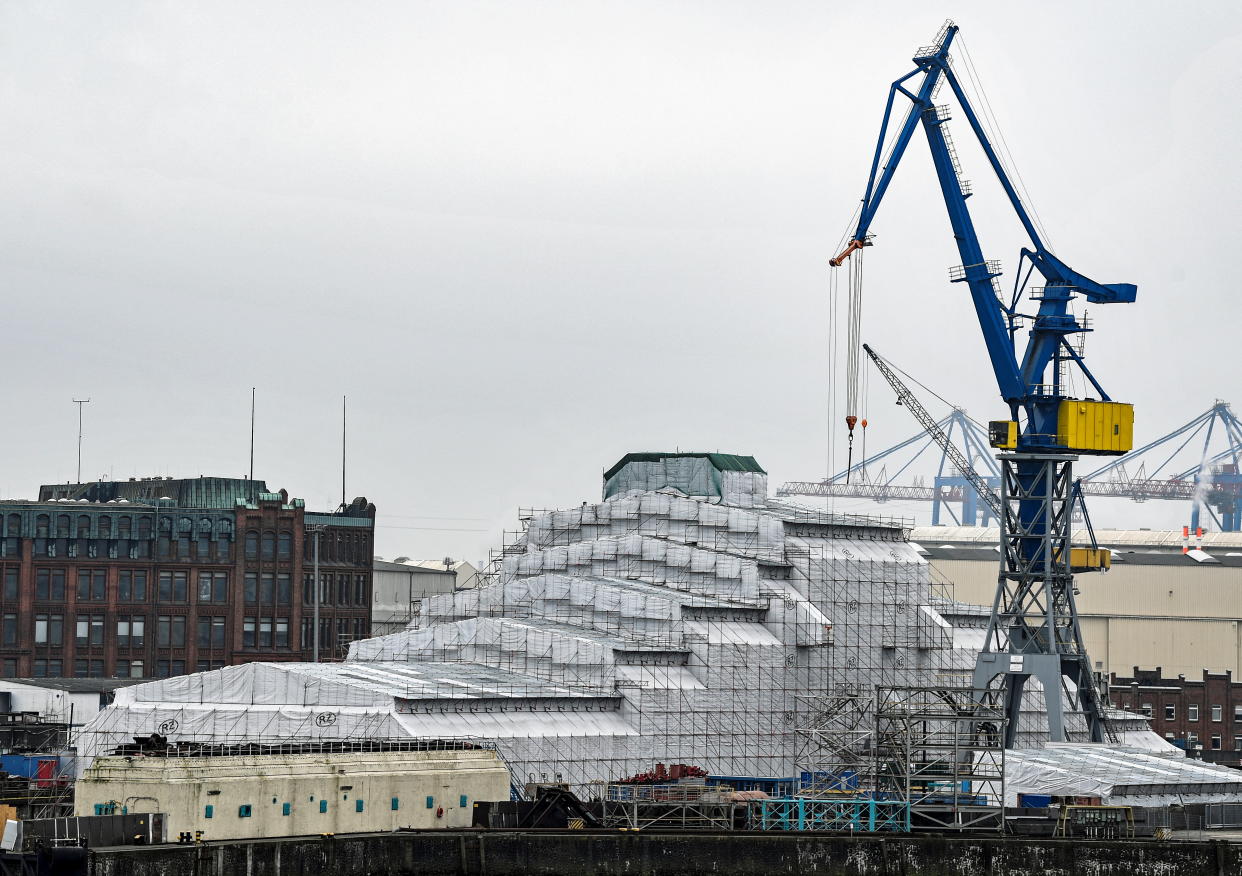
(1034, 631)
(940, 752)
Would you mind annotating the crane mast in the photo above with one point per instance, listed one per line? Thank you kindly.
(1034, 630)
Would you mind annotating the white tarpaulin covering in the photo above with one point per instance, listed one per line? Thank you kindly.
(660, 624)
(1118, 774)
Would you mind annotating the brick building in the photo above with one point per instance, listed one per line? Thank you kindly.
(1190, 713)
(156, 577)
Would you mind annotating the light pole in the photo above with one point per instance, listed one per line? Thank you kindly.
(79, 402)
(315, 530)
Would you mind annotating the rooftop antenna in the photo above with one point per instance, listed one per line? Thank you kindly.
(342, 453)
(79, 402)
(251, 478)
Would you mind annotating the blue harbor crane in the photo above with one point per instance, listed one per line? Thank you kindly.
(1034, 630)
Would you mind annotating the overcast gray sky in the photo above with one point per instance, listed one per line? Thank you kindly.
(525, 238)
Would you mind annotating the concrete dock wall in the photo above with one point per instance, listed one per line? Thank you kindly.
(592, 853)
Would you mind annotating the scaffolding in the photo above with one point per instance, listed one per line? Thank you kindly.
(940, 751)
(664, 623)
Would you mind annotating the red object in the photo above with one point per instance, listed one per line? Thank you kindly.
(45, 773)
(660, 775)
(439, 812)
(850, 421)
(864, 422)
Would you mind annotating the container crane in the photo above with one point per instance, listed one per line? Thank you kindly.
(1034, 630)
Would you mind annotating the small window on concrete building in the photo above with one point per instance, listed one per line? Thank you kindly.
(395, 803)
(357, 805)
(209, 811)
(1170, 712)
(1215, 743)
(462, 802)
(1192, 712)
(286, 808)
(243, 811)
(323, 805)
(431, 802)
(1217, 713)
(1147, 709)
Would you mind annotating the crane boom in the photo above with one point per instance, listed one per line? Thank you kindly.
(937, 434)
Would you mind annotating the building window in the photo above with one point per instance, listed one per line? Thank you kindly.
(360, 590)
(282, 632)
(1218, 713)
(269, 545)
(252, 545)
(8, 668)
(265, 632)
(285, 545)
(1237, 743)
(130, 631)
(47, 668)
(267, 588)
(284, 589)
(10, 585)
(170, 631)
(50, 585)
(90, 629)
(49, 629)
(1192, 711)
(168, 668)
(9, 634)
(1216, 743)
(248, 625)
(1170, 712)
(83, 668)
(174, 587)
(92, 585)
(1147, 709)
(211, 632)
(132, 585)
(1192, 739)
(213, 587)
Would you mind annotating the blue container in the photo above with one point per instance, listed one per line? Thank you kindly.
(1034, 801)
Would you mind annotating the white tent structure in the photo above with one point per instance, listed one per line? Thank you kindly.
(685, 618)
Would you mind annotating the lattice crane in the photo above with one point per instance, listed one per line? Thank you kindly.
(1034, 630)
(932, 428)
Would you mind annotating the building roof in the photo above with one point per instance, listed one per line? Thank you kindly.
(1149, 538)
(1138, 547)
(200, 492)
(339, 520)
(412, 568)
(78, 685)
(721, 461)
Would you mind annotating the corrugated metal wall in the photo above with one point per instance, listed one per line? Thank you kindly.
(1181, 618)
